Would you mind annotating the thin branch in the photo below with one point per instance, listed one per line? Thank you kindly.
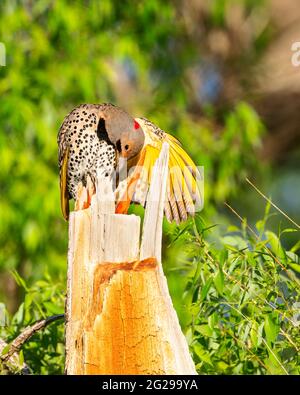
(18, 342)
(12, 365)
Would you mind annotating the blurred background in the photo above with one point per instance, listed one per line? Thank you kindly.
(218, 74)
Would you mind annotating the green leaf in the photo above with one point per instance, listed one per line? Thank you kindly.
(205, 289)
(294, 257)
(52, 308)
(19, 280)
(223, 256)
(289, 230)
(295, 247)
(219, 281)
(21, 358)
(295, 267)
(233, 228)
(5, 349)
(276, 246)
(202, 354)
(271, 328)
(254, 334)
(205, 330)
(213, 319)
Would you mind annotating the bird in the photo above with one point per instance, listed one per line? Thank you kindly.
(100, 139)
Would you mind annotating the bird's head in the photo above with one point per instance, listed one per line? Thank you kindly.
(124, 132)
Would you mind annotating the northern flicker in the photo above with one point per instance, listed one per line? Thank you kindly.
(96, 138)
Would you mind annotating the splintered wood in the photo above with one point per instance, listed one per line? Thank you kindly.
(120, 317)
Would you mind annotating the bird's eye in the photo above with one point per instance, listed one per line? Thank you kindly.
(136, 125)
(126, 147)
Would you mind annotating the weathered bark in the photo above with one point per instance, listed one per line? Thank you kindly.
(120, 318)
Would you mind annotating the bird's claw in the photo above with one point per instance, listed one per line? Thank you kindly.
(84, 194)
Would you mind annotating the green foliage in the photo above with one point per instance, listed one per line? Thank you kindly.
(44, 351)
(241, 300)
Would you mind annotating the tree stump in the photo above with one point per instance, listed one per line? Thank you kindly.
(120, 317)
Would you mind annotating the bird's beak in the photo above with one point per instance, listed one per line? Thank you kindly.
(122, 163)
(133, 160)
(123, 159)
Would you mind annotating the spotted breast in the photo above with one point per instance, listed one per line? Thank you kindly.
(84, 135)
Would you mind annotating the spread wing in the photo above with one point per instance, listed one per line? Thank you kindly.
(184, 185)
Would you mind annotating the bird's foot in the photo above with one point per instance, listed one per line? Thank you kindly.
(84, 194)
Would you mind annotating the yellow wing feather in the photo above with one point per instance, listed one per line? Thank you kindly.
(183, 192)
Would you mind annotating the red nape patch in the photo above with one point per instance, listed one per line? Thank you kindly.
(136, 125)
